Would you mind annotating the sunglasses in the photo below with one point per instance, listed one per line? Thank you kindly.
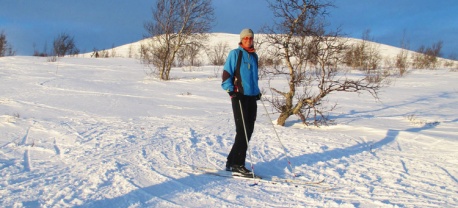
(248, 38)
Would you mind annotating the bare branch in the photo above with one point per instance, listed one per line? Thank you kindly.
(311, 58)
(176, 24)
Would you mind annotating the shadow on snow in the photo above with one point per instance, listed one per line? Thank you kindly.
(162, 192)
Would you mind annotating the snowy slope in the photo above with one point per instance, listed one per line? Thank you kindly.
(100, 133)
(132, 50)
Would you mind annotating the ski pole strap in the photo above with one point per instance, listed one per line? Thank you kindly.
(237, 71)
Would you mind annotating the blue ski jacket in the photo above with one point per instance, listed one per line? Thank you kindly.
(244, 80)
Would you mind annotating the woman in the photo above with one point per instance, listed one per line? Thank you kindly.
(240, 80)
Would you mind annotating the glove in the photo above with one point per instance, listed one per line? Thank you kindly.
(232, 94)
(258, 97)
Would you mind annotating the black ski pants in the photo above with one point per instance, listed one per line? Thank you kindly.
(237, 155)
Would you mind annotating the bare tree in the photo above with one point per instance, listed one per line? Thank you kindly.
(5, 48)
(311, 57)
(130, 51)
(113, 51)
(217, 54)
(401, 58)
(426, 57)
(175, 24)
(363, 55)
(44, 53)
(192, 51)
(64, 44)
(188, 55)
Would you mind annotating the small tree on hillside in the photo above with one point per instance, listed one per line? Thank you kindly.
(401, 58)
(64, 44)
(5, 48)
(188, 55)
(426, 57)
(364, 55)
(452, 62)
(175, 24)
(217, 54)
(43, 53)
(113, 51)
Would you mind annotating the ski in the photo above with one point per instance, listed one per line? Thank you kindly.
(217, 172)
(296, 181)
(262, 179)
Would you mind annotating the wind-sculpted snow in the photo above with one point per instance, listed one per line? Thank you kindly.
(101, 133)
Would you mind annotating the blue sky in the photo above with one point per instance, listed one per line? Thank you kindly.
(103, 23)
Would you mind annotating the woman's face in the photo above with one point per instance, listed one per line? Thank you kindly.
(247, 42)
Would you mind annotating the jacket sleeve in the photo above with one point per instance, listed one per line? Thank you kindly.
(228, 72)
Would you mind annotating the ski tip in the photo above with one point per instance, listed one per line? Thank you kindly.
(254, 184)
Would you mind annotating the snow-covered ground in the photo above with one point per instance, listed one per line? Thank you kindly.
(100, 133)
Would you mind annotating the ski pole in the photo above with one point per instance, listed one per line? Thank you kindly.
(246, 138)
(278, 137)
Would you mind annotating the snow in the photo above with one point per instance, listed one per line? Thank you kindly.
(84, 132)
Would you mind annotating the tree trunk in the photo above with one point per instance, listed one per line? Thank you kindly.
(282, 118)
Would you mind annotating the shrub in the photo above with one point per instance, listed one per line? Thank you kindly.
(5, 48)
(426, 57)
(64, 45)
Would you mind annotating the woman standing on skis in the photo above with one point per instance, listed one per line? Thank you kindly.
(240, 80)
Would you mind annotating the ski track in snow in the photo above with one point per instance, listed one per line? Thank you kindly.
(100, 134)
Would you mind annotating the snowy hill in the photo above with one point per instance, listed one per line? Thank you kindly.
(132, 50)
(84, 132)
